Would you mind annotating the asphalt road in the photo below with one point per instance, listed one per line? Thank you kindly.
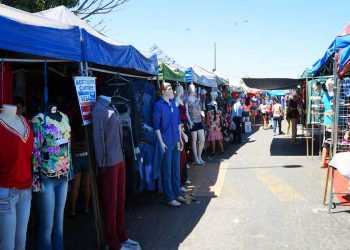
(262, 194)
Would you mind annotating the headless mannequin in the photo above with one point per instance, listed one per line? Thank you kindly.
(8, 115)
(179, 101)
(179, 93)
(196, 135)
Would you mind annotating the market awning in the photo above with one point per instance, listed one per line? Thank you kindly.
(222, 81)
(343, 62)
(278, 92)
(170, 73)
(306, 74)
(27, 33)
(102, 50)
(271, 83)
(200, 76)
(340, 42)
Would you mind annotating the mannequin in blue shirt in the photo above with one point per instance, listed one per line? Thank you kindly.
(167, 125)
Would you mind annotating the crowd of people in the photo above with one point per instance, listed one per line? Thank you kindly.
(187, 124)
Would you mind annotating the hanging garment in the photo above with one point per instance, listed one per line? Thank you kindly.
(15, 156)
(194, 110)
(51, 155)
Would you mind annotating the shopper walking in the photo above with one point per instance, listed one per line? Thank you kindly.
(236, 115)
(277, 114)
(263, 110)
(294, 115)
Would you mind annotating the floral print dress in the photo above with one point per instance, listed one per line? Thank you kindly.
(51, 156)
(214, 125)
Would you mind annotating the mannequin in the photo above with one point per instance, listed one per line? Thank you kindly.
(16, 147)
(51, 172)
(107, 135)
(184, 131)
(8, 115)
(167, 125)
(193, 110)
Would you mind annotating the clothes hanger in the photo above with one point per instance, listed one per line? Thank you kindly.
(117, 77)
(117, 96)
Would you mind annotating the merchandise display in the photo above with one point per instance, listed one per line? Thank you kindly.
(343, 131)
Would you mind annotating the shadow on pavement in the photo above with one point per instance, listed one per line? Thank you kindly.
(248, 168)
(158, 226)
(148, 219)
(283, 147)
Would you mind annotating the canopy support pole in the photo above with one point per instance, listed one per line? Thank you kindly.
(96, 201)
(118, 73)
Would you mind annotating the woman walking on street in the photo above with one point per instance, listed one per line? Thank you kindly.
(277, 113)
(253, 110)
(263, 109)
(294, 115)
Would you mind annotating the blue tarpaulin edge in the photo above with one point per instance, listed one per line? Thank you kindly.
(336, 45)
(123, 56)
(40, 41)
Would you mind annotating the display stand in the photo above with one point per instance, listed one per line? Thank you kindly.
(340, 131)
(316, 115)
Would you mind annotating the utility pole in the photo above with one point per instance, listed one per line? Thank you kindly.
(214, 69)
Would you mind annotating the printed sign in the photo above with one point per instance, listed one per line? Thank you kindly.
(86, 91)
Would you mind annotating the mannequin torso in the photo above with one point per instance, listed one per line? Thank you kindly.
(194, 109)
(8, 115)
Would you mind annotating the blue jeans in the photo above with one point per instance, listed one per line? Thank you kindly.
(50, 207)
(14, 216)
(277, 119)
(171, 172)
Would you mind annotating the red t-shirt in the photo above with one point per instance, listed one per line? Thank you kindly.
(15, 156)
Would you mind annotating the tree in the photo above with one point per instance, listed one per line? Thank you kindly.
(87, 8)
(39, 5)
(82, 8)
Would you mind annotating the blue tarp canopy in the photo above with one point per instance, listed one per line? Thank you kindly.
(102, 50)
(340, 42)
(344, 59)
(278, 92)
(24, 32)
(200, 76)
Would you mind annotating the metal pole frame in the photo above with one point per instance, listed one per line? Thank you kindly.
(96, 201)
(334, 133)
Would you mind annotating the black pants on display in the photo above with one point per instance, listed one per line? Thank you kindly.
(237, 132)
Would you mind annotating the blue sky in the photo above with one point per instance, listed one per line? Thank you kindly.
(255, 38)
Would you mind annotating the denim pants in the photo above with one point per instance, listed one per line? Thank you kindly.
(171, 173)
(14, 216)
(277, 119)
(237, 134)
(50, 207)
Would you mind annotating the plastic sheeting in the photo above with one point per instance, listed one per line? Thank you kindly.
(222, 81)
(278, 92)
(30, 34)
(344, 62)
(271, 83)
(167, 72)
(340, 42)
(100, 49)
(200, 76)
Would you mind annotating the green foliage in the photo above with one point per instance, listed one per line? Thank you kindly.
(39, 5)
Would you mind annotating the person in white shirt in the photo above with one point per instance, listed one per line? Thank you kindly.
(263, 109)
(236, 116)
(277, 113)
